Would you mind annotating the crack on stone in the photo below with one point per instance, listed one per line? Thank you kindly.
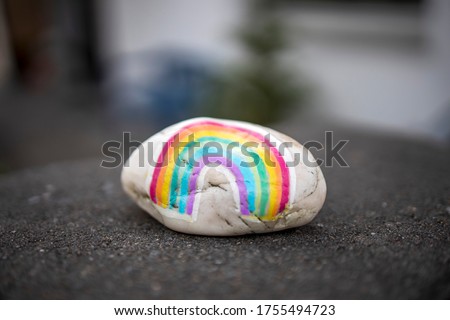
(224, 219)
(216, 186)
(243, 221)
(263, 222)
(315, 187)
(227, 222)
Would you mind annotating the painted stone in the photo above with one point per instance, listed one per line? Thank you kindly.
(221, 177)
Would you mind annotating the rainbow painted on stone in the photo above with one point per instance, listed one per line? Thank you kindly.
(261, 190)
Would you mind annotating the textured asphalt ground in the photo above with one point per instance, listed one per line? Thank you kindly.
(68, 231)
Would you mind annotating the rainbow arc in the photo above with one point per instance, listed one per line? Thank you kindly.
(263, 185)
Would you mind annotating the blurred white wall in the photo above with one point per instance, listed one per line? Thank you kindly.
(201, 26)
(381, 67)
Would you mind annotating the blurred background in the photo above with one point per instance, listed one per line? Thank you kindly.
(76, 73)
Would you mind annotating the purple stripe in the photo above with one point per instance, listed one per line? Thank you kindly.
(237, 174)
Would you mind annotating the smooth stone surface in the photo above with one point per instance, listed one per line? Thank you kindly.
(225, 191)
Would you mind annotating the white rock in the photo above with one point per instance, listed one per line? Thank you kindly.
(259, 183)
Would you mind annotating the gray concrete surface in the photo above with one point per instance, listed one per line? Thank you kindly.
(68, 231)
